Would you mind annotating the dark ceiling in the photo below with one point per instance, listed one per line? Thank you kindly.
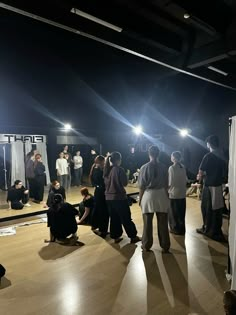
(156, 29)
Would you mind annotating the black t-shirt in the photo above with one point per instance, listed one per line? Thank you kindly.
(89, 203)
(97, 178)
(15, 194)
(215, 169)
(62, 221)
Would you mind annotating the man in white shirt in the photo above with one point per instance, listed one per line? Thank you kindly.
(78, 168)
(62, 170)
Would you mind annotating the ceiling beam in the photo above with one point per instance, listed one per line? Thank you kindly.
(209, 54)
(112, 44)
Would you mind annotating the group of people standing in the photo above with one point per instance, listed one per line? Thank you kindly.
(161, 191)
(64, 163)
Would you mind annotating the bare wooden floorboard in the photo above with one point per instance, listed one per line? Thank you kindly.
(104, 278)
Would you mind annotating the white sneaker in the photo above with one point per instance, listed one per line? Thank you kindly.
(27, 205)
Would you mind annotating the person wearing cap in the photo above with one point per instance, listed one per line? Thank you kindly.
(61, 221)
(213, 172)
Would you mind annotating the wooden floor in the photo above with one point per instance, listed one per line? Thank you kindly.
(102, 278)
(73, 196)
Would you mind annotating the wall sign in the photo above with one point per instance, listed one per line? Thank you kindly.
(9, 138)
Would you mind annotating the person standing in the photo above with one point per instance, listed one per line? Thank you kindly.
(78, 168)
(39, 171)
(67, 157)
(116, 198)
(62, 170)
(213, 171)
(177, 194)
(66, 151)
(100, 217)
(18, 196)
(29, 172)
(153, 198)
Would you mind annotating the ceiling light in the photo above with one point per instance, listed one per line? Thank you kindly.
(184, 132)
(217, 70)
(67, 127)
(186, 15)
(138, 130)
(95, 19)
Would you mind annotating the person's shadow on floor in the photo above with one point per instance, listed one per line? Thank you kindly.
(4, 283)
(55, 251)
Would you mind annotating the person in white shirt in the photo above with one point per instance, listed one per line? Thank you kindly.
(62, 170)
(78, 168)
(177, 195)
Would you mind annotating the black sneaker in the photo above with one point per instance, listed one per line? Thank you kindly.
(135, 239)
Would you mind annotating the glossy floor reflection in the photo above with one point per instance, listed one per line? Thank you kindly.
(106, 278)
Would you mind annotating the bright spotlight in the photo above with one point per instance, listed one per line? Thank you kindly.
(184, 132)
(138, 130)
(67, 127)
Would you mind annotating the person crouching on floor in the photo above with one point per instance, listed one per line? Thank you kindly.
(86, 207)
(61, 221)
(18, 196)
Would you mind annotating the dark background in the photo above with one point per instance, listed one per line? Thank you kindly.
(49, 76)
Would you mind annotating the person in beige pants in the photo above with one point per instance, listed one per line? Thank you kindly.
(153, 198)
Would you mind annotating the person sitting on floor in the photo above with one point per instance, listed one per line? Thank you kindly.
(135, 176)
(18, 196)
(56, 188)
(86, 207)
(62, 221)
(196, 188)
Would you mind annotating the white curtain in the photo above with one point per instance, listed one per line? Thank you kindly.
(28, 147)
(17, 162)
(232, 189)
(42, 148)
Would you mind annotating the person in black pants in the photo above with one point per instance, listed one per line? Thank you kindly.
(18, 196)
(177, 194)
(62, 221)
(56, 188)
(86, 207)
(39, 171)
(29, 172)
(116, 198)
(100, 216)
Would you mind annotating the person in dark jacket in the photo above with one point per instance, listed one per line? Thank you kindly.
(62, 221)
(100, 216)
(18, 196)
(39, 171)
(116, 198)
(56, 188)
(29, 172)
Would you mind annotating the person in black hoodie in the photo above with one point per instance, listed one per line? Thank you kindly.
(39, 171)
(62, 221)
(56, 188)
(18, 196)
(100, 216)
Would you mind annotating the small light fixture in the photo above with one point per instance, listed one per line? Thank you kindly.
(186, 15)
(184, 132)
(67, 127)
(138, 130)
